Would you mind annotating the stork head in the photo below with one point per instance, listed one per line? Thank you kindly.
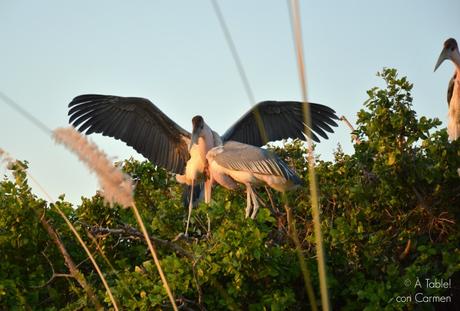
(197, 129)
(448, 52)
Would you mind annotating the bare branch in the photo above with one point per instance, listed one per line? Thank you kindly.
(54, 275)
(132, 233)
(79, 277)
(353, 136)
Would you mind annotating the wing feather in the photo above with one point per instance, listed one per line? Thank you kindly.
(281, 119)
(135, 121)
(242, 157)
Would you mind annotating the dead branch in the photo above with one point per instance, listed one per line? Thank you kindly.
(74, 272)
(353, 136)
(54, 275)
(132, 233)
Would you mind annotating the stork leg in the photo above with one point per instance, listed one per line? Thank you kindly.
(208, 190)
(248, 200)
(255, 205)
(190, 206)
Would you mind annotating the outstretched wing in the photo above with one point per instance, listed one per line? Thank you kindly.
(242, 157)
(137, 122)
(281, 119)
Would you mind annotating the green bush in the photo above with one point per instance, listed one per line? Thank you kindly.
(389, 217)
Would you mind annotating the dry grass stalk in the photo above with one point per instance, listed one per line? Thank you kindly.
(155, 257)
(76, 274)
(6, 157)
(43, 127)
(303, 266)
(55, 238)
(294, 11)
(116, 186)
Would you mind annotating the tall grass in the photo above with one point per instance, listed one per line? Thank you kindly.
(263, 135)
(117, 187)
(72, 267)
(314, 193)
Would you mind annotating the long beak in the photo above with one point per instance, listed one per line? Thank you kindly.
(442, 57)
(194, 140)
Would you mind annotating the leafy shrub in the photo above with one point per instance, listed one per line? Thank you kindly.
(389, 217)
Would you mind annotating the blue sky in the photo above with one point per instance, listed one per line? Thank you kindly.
(173, 53)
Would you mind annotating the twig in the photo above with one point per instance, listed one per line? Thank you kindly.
(353, 136)
(114, 271)
(132, 232)
(406, 250)
(273, 208)
(198, 287)
(54, 275)
(79, 277)
(154, 255)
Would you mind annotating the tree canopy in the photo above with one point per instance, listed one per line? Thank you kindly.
(389, 218)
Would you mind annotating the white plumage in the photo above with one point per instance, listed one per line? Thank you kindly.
(450, 51)
(252, 166)
(453, 127)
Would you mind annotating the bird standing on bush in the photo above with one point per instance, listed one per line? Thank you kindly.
(140, 124)
(450, 51)
(252, 166)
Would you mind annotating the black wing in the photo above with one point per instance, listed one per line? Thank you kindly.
(450, 88)
(137, 122)
(281, 119)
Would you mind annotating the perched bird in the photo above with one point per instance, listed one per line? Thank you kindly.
(252, 166)
(141, 125)
(450, 51)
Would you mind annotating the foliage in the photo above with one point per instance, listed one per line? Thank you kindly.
(390, 215)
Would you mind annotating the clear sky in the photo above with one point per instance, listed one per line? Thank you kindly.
(174, 53)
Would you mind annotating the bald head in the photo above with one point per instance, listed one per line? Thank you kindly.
(450, 44)
(450, 51)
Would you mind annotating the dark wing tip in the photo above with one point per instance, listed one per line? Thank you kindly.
(282, 119)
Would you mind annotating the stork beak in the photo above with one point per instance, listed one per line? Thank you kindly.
(442, 57)
(195, 137)
(194, 140)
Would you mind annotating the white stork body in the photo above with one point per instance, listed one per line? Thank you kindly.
(196, 165)
(252, 166)
(203, 139)
(143, 126)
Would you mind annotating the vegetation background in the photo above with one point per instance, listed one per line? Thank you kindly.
(390, 214)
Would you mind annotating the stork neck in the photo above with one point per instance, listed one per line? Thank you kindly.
(456, 60)
(204, 144)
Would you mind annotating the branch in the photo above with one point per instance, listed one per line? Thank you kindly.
(54, 275)
(74, 272)
(353, 136)
(133, 233)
